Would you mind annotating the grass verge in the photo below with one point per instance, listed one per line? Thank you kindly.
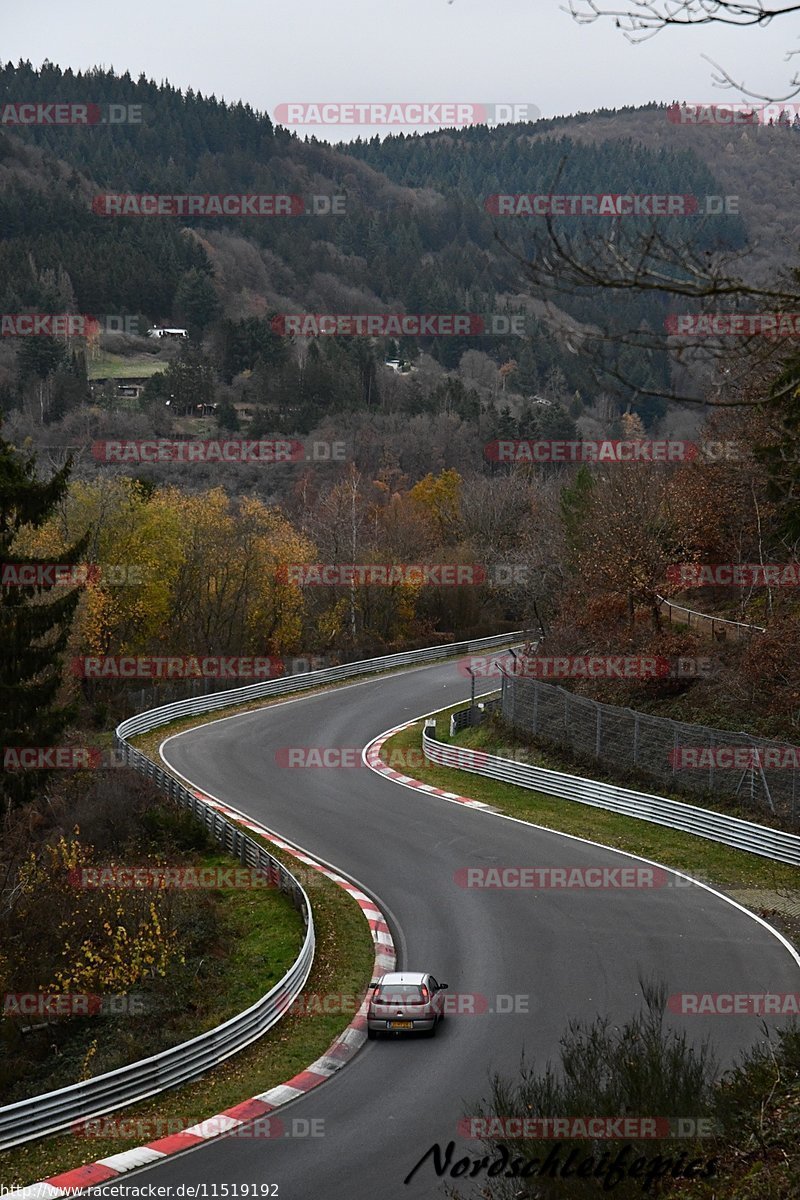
(721, 866)
(250, 938)
(758, 1104)
(342, 966)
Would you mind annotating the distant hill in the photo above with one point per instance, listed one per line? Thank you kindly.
(416, 235)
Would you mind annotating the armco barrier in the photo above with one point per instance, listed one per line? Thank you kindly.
(196, 705)
(717, 827)
(465, 717)
(55, 1111)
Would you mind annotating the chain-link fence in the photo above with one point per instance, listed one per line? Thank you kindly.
(759, 773)
(719, 628)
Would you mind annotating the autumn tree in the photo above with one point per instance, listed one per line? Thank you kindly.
(622, 541)
(229, 595)
(176, 573)
(134, 537)
(438, 499)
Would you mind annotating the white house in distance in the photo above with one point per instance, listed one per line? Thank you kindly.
(398, 365)
(169, 333)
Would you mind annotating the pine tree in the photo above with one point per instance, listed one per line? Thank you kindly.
(33, 626)
(196, 302)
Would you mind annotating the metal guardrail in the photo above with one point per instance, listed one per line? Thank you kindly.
(197, 705)
(467, 717)
(741, 627)
(58, 1110)
(717, 827)
(55, 1111)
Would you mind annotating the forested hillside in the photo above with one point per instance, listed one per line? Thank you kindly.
(415, 235)
(413, 415)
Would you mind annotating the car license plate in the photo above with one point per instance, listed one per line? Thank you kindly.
(401, 1024)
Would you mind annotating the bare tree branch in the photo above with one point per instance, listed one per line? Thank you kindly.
(724, 80)
(634, 261)
(642, 19)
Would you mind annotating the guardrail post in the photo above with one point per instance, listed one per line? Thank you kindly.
(762, 840)
(635, 739)
(674, 745)
(764, 783)
(41, 1115)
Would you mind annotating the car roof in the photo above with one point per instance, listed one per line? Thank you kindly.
(405, 977)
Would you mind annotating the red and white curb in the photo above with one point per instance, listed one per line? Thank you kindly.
(340, 1051)
(372, 757)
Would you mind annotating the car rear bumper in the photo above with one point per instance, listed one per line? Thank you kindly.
(419, 1025)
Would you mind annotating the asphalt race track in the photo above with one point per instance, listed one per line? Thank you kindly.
(572, 953)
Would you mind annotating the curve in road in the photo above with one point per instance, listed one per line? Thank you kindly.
(564, 954)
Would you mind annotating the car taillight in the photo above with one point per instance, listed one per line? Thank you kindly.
(424, 991)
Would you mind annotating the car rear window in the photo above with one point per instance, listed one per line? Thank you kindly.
(401, 993)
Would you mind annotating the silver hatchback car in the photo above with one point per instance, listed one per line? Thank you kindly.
(405, 1002)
